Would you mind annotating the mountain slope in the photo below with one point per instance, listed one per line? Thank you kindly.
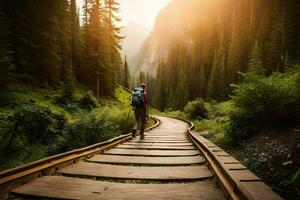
(135, 35)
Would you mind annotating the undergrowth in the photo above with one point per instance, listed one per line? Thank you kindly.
(39, 122)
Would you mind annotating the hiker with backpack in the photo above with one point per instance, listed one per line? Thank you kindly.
(140, 102)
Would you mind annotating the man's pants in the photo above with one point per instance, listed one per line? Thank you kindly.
(140, 117)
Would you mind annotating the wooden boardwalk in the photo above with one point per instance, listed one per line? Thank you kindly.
(172, 162)
(165, 165)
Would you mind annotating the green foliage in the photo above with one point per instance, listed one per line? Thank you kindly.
(43, 127)
(296, 181)
(255, 63)
(74, 104)
(68, 88)
(262, 101)
(6, 65)
(181, 95)
(86, 130)
(88, 101)
(196, 109)
(37, 123)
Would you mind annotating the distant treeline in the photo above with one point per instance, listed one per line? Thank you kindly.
(45, 43)
(202, 46)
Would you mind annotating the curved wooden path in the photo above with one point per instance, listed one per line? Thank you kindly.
(166, 165)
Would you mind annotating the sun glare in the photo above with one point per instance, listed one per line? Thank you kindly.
(142, 12)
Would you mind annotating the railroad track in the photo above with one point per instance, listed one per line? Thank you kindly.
(173, 162)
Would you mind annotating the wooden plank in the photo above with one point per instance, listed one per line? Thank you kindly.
(73, 188)
(115, 159)
(165, 136)
(171, 132)
(162, 139)
(159, 141)
(160, 144)
(258, 190)
(243, 175)
(137, 152)
(86, 169)
(154, 147)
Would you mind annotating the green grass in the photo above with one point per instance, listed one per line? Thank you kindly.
(115, 111)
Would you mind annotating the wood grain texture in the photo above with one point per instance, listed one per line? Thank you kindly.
(154, 147)
(87, 169)
(74, 188)
(187, 160)
(137, 152)
(160, 144)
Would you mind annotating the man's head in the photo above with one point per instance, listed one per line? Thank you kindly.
(143, 85)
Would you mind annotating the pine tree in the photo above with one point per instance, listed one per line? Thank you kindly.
(233, 61)
(181, 97)
(112, 8)
(65, 39)
(6, 66)
(255, 63)
(203, 81)
(213, 88)
(126, 74)
(75, 41)
(275, 55)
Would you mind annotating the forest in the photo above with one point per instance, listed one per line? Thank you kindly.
(230, 67)
(202, 54)
(47, 44)
(61, 77)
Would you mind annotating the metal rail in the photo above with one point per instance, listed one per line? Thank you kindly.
(15, 177)
(235, 179)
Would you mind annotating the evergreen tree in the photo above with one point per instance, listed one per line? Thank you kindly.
(181, 93)
(255, 63)
(6, 66)
(75, 41)
(234, 60)
(112, 8)
(126, 74)
(215, 78)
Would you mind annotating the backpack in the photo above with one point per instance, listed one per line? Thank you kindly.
(137, 99)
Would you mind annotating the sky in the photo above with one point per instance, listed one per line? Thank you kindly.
(143, 12)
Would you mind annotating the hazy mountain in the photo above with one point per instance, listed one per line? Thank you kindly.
(174, 23)
(135, 35)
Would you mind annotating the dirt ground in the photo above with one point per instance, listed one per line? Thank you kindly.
(274, 155)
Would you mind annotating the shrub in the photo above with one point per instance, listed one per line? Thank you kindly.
(196, 109)
(30, 125)
(88, 102)
(37, 124)
(121, 116)
(69, 104)
(261, 101)
(86, 130)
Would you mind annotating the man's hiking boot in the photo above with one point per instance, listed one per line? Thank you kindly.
(133, 133)
(142, 136)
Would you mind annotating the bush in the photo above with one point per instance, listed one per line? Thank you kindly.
(86, 130)
(30, 125)
(88, 102)
(37, 124)
(262, 101)
(72, 105)
(196, 109)
(121, 116)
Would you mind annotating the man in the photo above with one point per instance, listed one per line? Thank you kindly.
(140, 103)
